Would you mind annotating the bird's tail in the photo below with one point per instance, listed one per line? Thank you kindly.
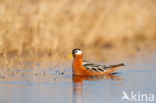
(115, 67)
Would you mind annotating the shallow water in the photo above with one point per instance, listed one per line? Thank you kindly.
(50, 85)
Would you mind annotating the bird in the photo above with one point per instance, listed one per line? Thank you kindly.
(83, 67)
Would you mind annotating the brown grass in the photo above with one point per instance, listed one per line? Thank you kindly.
(38, 28)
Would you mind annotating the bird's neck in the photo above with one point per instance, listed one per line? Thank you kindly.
(78, 59)
(77, 63)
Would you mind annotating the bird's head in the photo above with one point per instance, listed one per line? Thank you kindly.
(75, 52)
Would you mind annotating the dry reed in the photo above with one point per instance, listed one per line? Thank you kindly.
(39, 27)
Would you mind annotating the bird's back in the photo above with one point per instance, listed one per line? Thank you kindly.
(99, 68)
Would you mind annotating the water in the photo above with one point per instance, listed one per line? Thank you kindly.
(49, 85)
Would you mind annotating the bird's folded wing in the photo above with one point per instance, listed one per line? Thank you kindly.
(99, 68)
(95, 67)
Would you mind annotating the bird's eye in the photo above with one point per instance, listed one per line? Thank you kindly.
(76, 51)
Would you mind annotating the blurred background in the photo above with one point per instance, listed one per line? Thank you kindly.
(49, 29)
(37, 35)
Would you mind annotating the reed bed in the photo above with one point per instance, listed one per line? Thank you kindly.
(46, 29)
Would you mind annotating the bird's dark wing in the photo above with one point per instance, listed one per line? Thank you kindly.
(98, 68)
(95, 67)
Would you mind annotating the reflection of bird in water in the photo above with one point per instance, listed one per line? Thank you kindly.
(78, 83)
(81, 78)
(81, 67)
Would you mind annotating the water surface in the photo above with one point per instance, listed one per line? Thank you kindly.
(50, 85)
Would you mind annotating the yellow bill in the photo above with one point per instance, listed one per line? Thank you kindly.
(70, 56)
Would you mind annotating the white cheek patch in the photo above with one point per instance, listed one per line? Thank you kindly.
(79, 52)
